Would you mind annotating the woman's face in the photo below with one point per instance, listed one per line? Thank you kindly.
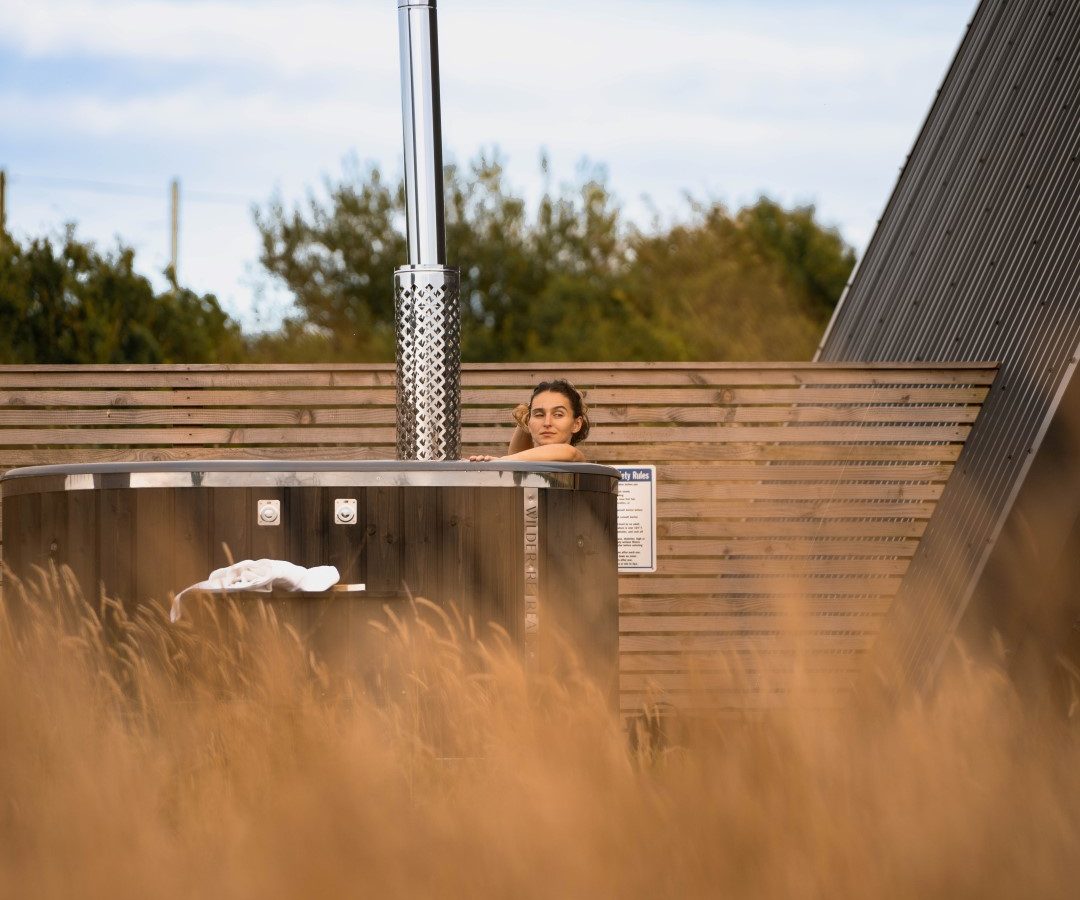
(552, 419)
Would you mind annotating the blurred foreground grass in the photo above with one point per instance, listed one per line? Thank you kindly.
(139, 759)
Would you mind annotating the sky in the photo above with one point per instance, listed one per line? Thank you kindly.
(104, 102)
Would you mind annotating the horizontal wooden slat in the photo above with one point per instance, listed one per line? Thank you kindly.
(603, 435)
(848, 472)
(165, 397)
(11, 457)
(748, 658)
(206, 436)
(846, 528)
(793, 433)
(724, 643)
(749, 395)
(217, 368)
(385, 415)
(495, 367)
(691, 374)
(865, 413)
(821, 509)
(694, 681)
(789, 568)
(740, 623)
(278, 377)
(707, 703)
(521, 381)
(114, 417)
(774, 549)
(739, 604)
(663, 451)
(658, 452)
(806, 490)
(656, 584)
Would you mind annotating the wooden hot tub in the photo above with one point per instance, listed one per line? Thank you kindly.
(527, 546)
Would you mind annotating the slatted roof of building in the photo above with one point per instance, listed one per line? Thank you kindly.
(977, 256)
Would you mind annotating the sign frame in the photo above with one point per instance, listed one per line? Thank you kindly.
(637, 519)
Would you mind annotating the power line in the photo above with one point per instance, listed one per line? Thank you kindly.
(117, 188)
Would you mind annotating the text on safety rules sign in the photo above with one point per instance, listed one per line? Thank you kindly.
(637, 518)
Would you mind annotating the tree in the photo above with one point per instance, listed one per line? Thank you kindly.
(759, 285)
(73, 304)
(547, 288)
(574, 281)
(338, 260)
(530, 288)
(814, 259)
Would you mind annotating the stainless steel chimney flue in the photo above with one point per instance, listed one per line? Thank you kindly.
(426, 291)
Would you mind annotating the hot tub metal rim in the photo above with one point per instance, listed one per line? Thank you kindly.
(306, 473)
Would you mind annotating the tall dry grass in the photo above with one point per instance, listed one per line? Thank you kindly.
(222, 760)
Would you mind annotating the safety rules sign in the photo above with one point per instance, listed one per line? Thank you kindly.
(637, 518)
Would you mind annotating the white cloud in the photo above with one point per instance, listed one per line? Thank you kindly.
(194, 117)
(287, 37)
(805, 101)
(558, 44)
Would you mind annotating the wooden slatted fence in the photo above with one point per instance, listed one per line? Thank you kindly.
(791, 497)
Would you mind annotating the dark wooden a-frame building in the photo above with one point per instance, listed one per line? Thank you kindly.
(977, 257)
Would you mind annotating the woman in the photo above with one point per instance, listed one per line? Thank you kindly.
(550, 427)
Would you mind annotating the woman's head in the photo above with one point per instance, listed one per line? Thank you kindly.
(557, 414)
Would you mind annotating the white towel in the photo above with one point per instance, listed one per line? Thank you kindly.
(261, 575)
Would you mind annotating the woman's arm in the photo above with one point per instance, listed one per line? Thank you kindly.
(550, 453)
(520, 441)
(545, 453)
(522, 447)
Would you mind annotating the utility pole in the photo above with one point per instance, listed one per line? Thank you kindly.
(3, 200)
(174, 228)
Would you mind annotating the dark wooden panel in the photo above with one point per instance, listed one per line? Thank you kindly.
(115, 537)
(194, 556)
(578, 577)
(500, 576)
(53, 533)
(456, 535)
(232, 522)
(81, 552)
(155, 545)
(382, 512)
(305, 522)
(20, 545)
(346, 544)
(420, 543)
